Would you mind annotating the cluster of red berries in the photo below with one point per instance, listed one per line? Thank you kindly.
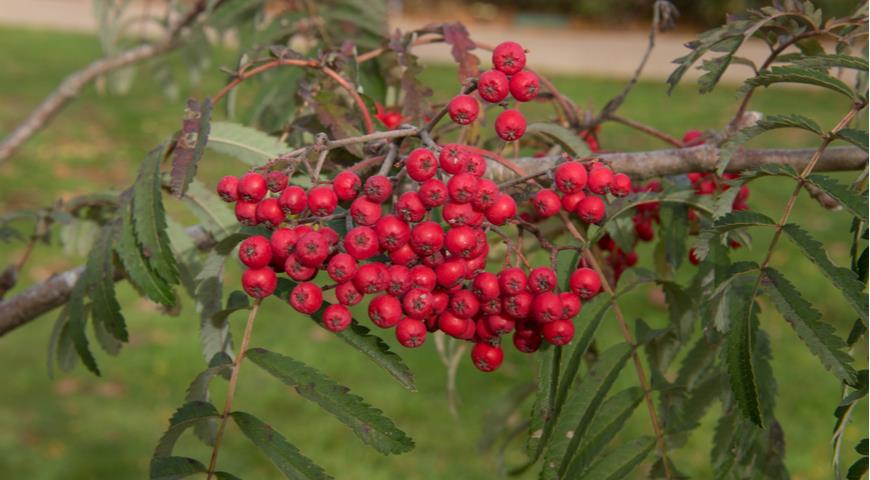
(507, 77)
(422, 276)
(583, 189)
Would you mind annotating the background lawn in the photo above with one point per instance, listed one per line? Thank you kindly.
(78, 426)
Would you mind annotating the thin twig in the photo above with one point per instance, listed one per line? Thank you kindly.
(392, 153)
(644, 128)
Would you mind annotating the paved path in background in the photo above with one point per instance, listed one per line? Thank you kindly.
(613, 53)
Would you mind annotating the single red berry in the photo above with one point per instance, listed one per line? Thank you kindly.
(518, 306)
(228, 189)
(585, 283)
(511, 281)
(458, 214)
(486, 357)
(525, 343)
(440, 302)
(410, 332)
(297, 271)
(542, 279)
(433, 193)
(361, 243)
(423, 277)
(252, 187)
(255, 252)
(330, 235)
(392, 232)
(453, 158)
(509, 57)
(461, 241)
(259, 282)
(418, 303)
(421, 164)
(293, 200)
(246, 213)
(510, 125)
(487, 192)
(347, 294)
(546, 202)
(693, 138)
(404, 255)
(631, 258)
(450, 273)
(500, 324)
(600, 179)
(571, 200)
(283, 241)
(378, 188)
(322, 201)
(524, 86)
(336, 318)
(483, 334)
(493, 86)
(470, 330)
(473, 266)
(463, 109)
(571, 177)
(399, 280)
(312, 249)
(476, 165)
(571, 305)
(427, 238)
(346, 185)
(306, 298)
(546, 307)
(451, 324)
(693, 257)
(276, 181)
(558, 332)
(385, 311)
(409, 207)
(620, 186)
(462, 187)
(341, 267)
(485, 286)
(591, 209)
(502, 210)
(364, 211)
(643, 228)
(371, 278)
(269, 213)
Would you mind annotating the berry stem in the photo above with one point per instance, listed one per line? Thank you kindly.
(234, 378)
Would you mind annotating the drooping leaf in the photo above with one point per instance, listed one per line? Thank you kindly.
(739, 353)
(214, 332)
(715, 67)
(368, 423)
(775, 75)
(621, 461)
(100, 273)
(171, 468)
(854, 136)
(843, 279)
(772, 122)
(190, 144)
(244, 143)
(206, 429)
(185, 417)
(580, 408)
(819, 336)
(415, 103)
(567, 138)
(831, 61)
(292, 463)
(77, 315)
(854, 202)
(149, 218)
(139, 272)
(543, 409)
(456, 35)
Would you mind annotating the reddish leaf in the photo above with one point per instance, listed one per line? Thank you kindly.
(190, 144)
(457, 36)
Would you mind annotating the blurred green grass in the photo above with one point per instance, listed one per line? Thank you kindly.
(81, 427)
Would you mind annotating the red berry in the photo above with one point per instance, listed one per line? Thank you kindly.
(461, 241)
(371, 278)
(470, 330)
(255, 252)
(269, 212)
(409, 207)
(364, 211)
(493, 86)
(404, 255)
(542, 279)
(693, 257)
(423, 277)
(341, 267)
(312, 249)
(453, 158)
(346, 185)
(463, 109)
(330, 235)
(228, 189)
(546, 203)
(246, 213)
(484, 334)
(558, 332)
(259, 282)
(451, 324)
(518, 306)
(306, 298)
(378, 188)
(502, 210)
(427, 238)
(297, 271)
(322, 201)
(585, 283)
(571, 200)
(509, 57)
(500, 324)
(485, 286)
(418, 303)
(293, 200)
(693, 137)
(283, 241)
(512, 281)
(392, 232)
(433, 193)
(276, 181)
(643, 228)
(410, 332)
(487, 192)
(450, 273)
(336, 318)
(440, 302)
(347, 294)
(486, 357)
(361, 243)
(464, 304)
(252, 187)
(526, 343)
(462, 187)
(546, 307)
(421, 164)
(476, 165)
(524, 86)
(571, 305)
(399, 280)
(571, 177)
(385, 311)
(457, 214)
(621, 185)
(591, 209)
(510, 125)
(600, 179)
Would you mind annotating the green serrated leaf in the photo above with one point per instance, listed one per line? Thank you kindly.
(674, 231)
(854, 136)
(831, 61)
(171, 468)
(149, 218)
(206, 429)
(854, 202)
(567, 138)
(716, 67)
(843, 279)
(244, 143)
(543, 409)
(368, 423)
(139, 272)
(819, 336)
(741, 219)
(772, 122)
(78, 318)
(185, 417)
(620, 461)
(579, 409)
(566, 263)
(739, 352)
(283, 454)
(804, 76)
(100, 273)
